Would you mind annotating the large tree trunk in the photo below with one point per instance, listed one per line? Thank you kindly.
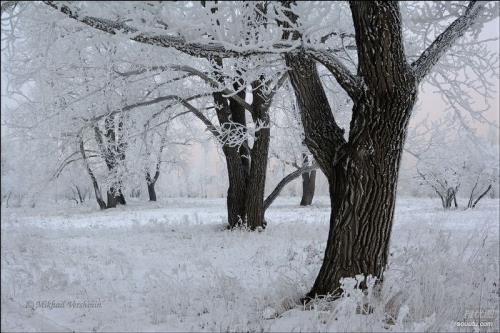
(362, 172)
(362, 193)
(308, 184)
(246, 167)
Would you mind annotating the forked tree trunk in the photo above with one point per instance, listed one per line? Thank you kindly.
(363, 171)
(246, 167)
(362, 193)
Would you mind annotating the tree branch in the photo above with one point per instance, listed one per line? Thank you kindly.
(177, 42)
(287, 179)
(150, 102)
(202, 117)
(445, 40)
(349, 82)
(195, 72)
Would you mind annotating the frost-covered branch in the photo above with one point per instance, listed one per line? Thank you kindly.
(423, 65)
(192, 71)
(202, 50)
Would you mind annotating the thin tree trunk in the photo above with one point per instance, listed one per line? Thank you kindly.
(308, 184)
(257, 177)
(151, 182)
(308, 188)
(97, 190)
(481, 196)
(287, 179)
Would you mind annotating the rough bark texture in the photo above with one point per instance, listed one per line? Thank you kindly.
(257, 177)
(236, 193)
(246, 166)
(362, 172)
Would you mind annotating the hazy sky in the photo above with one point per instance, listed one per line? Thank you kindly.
(432, 103)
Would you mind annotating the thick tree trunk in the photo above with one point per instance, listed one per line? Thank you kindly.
(362, 172)
(362, 200)
(246, 167)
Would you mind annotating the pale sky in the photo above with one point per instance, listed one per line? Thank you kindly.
(433, 104)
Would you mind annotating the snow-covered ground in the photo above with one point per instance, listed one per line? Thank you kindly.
(171, 266)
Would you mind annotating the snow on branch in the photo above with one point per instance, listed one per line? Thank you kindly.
(204, 50)
(232, 134)
(229, 134)
(195, 72)
(344, 77)
(445, 40)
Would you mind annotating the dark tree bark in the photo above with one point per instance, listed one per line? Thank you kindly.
(257, 177)
(246, 166)
(308, 184)
(236, 193)
(151, 181)
(363, 171)
(308, 187)
(151, 192)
